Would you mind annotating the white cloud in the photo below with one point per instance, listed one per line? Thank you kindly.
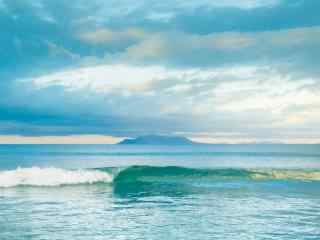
(55, 50)
(254, 140)
(160, 16)
(163, 10)
(294, 37)
(69, 139)
(249, 99)
(103, 78)
(173, 44)
(108, 36)
(183, 47)
(145, 80)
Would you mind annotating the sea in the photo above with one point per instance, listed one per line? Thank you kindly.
(199, 192)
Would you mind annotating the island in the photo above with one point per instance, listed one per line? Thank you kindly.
(157, 140)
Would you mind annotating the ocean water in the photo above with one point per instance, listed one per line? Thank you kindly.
(159, 192)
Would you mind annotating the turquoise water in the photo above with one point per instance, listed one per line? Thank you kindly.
(138, 192)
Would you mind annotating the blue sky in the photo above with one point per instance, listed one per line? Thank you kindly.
(215, 71)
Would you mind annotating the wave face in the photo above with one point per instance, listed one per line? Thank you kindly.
(36, 176)
(147, 173)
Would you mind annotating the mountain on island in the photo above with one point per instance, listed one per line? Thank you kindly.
(157, 140)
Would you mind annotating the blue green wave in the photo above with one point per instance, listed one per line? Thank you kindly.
(36, 176)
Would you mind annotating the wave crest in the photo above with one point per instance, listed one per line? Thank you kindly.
(36, 176)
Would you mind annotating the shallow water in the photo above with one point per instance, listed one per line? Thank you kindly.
(136, 192)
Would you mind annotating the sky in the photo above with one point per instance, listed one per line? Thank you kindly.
(214, 71)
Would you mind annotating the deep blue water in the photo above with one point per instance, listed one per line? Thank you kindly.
(159, 192)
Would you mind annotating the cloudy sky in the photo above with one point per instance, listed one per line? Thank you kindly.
(212, 70)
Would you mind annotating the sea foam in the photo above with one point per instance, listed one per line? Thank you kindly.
(303, 175)
(36, 176)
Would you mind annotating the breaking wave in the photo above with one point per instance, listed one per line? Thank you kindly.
(50, 177)
(36, 176)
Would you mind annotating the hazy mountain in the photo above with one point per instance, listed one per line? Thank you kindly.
(158, 140)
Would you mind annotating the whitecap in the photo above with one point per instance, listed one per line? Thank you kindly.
(36, 176)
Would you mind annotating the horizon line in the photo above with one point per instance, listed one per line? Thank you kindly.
(92, 139)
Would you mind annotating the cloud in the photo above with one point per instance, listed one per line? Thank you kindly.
(179, 46)
(108, 36)
(71, 139)
(126, 68)
(214, 99)
(162, 12)
(117, 28)
(114, 78)
(281, 15)
(54, 50)
(292, 49)
(229, 3)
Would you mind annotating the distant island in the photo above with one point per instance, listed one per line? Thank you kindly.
(157, 140)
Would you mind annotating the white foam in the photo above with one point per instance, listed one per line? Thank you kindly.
(36, 176)
(288, 174)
